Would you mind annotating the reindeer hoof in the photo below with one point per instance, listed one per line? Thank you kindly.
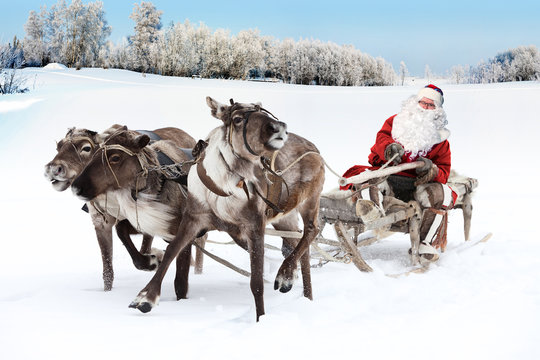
(144, 307)
(157, 256)
(282, 284)
(282, 287)
(142, 303)
(150, 261)
(285, 279)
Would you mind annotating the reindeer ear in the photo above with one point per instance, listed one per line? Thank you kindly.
(141, 141)
(217, 109)
(231, 101)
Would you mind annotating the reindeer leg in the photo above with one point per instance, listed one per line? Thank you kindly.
(190, 226)
(305, 266)
(285, 276)
(146, 248)
(146, 245)
(256, 254)
(103, 228)
(142, 262)
(290, 223)
(181, 281)
(199, 256)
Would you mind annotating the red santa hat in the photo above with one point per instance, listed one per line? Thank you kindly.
(432, 92)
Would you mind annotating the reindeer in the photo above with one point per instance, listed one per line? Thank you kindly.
(226, 193)
(126, 170)
(74, 151)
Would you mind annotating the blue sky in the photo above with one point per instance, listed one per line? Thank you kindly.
(437, 33)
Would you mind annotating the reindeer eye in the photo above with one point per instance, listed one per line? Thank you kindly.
(86, 148)
(237, 120)
(113, 159)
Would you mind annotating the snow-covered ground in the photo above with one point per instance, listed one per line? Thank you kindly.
(477, 302)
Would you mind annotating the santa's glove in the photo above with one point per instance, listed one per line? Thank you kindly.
(425, 173)
(392, 150)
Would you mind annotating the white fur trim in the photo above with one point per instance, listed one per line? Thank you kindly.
(431, 94)
(444, 133)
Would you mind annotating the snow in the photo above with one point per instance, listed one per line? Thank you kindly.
(55, 66)
(480, 301)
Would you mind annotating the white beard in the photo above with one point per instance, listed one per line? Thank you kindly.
(417, 129)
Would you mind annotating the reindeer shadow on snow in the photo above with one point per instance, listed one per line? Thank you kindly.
(230, 191)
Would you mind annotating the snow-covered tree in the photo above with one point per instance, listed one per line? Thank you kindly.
(457, 74)
(120, 56)
(56, 26)
(34, 44)
(427, 73)
(247, 53)
(86, 31)
(284, 60)
(147, 26)
(11, 59)
(403, 72)
(518, 64)
(218, 55)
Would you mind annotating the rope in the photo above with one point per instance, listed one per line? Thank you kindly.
(281, 172)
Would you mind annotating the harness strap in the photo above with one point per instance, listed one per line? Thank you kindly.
(244, 133)
(276, 210)
(207, 180)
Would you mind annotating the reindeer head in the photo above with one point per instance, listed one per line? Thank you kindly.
(252, 131)
(115, 164)
(73, 153)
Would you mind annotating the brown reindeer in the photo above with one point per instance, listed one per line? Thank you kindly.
(227, 193)
(126, 170)
(74, 151)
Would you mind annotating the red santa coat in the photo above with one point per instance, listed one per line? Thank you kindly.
(439, 155)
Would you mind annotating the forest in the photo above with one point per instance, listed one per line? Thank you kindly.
(76, 35)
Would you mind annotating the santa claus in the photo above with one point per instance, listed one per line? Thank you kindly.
(417, 132)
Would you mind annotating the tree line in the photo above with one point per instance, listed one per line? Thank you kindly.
(518, 64)
(76, 35)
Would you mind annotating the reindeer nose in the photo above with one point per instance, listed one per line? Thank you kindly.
(57, 170)
(277, 126)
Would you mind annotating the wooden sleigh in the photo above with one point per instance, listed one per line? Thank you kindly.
(338, 210)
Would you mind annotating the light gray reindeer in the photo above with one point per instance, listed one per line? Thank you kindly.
(227, 193)
(74, 152)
